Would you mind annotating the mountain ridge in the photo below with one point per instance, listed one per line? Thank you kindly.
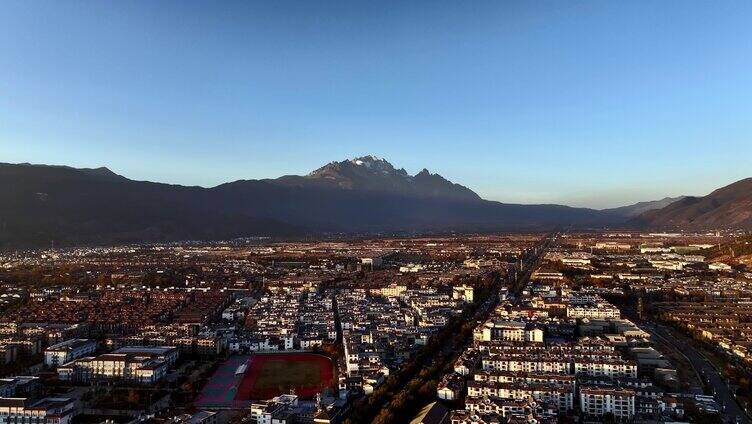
(644, 206)
(373, 173)
(365, 195)
(726, 207)
(72, 207)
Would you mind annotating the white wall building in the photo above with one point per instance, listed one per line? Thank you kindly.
(463, 292)
(44, 411)
(67, 351)
(598, 401)
(141, 364)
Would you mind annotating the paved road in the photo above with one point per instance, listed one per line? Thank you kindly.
(525, 268)
(529, 264)
(722, 393)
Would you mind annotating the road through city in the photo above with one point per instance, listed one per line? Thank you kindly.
(731, 409)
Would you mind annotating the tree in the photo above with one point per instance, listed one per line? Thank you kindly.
(384, 417)
(427, 390)
(133, 397)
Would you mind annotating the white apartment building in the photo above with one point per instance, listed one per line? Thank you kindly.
(611, 369)
(44, 411)
(499, 406)
(67, 351)
(598, 401)
(393, 290)
(501, 363)
(500, 330)
(599, 311)
(533, 334)
(574, 261)
(463, 292)
(510, 331)
(561, 396)
(141, 364)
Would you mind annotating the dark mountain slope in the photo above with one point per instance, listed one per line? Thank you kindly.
(640, 207)
(330, 209)
(71, 206)
(727, 207)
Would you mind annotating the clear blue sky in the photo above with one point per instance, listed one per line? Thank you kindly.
(595, 103)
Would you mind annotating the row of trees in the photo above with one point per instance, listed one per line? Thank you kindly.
(404, 393)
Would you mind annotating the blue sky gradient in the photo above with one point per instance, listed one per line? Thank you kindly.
(597, 103)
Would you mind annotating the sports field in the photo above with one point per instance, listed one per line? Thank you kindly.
(245, 378)
(269, 375)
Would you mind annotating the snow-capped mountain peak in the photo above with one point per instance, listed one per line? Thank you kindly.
(373, 173)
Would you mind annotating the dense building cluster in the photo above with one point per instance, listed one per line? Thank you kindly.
(518, 328)
(383, 327)
(556, 347)
(526, 361)
(292, 316)
(724, 323)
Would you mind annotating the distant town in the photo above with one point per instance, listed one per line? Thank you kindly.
(375, 212)
(539, 327)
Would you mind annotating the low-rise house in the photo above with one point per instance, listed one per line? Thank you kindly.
(450, 387)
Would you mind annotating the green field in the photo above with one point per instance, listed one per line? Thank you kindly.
(270, 375)
(284, 375)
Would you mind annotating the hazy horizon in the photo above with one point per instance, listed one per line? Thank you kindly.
(596, 104)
